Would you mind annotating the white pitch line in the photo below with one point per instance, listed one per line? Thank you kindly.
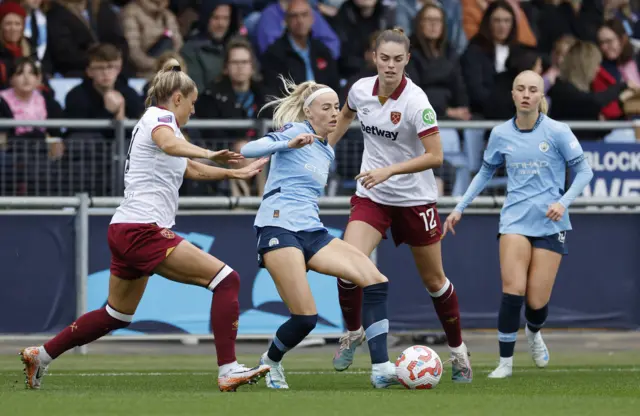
(210, 373)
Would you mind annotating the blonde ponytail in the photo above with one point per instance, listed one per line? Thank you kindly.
(544, 105)
(290, 108)
(167, 81)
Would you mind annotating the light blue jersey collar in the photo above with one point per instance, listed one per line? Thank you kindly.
(324, 142)
(535, 126)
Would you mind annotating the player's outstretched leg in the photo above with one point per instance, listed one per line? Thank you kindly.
(350, 298)
(188, 264)
(124, 295)
(339, 258)
(365, 238)
(290, 334)
(374, 318)
(428, 259)
(225, 312)
(288, 270)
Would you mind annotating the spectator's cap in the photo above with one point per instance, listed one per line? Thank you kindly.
(8, 7)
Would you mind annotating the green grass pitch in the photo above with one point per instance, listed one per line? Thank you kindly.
(573, 384)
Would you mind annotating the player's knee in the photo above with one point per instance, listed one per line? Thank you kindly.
(373, 277)
(514, 289)
(226, 281)
(117, 320)
(514, 285)
(380, 278)
(370, 272)
(305, 323)
(434, 280)
(303, 304)
(536, 301)
(231, 282)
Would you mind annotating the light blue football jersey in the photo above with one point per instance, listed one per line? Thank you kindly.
(536, 161)
(297, 178)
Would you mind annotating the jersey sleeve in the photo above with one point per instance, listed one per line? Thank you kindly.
(423, 117)
(569, 146)
(157, 120)
(276, 141)
(493, 156)
(285, 133)
(351, 99)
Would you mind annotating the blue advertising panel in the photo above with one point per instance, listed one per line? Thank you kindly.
(616, 169)
(38, 273)
(598, 285)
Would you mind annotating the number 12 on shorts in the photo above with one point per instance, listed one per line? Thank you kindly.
(429, 218)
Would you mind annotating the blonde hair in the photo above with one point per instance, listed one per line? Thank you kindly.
(290, 108)
(165, 56)
(167, 81)
(544, 105)
(580, 65)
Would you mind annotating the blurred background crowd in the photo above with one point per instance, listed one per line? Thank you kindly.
(93, 59)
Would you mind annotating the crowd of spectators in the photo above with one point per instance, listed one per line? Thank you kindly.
(464, 55)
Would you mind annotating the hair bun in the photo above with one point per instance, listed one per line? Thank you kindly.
(171, 65)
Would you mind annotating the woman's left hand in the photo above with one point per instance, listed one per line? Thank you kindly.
(225, 156)
(371, 178)
(555, 212)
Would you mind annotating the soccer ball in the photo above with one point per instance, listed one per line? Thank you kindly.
(419, 367)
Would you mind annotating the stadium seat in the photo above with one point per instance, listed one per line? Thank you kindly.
(62, 86)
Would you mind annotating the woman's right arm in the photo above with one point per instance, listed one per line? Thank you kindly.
(492, 160)
(263, 147)
(345, 118)
(477, 185)
(277, 142)
(166, 140)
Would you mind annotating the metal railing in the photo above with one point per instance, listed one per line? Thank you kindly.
(264, 125)
(29, 167)
(341, 202)
(33, 167)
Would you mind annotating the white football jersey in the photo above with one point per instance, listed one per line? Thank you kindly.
(152, 178)
(392, 134)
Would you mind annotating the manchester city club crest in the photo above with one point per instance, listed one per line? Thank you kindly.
(544, 147)
(395, 117)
